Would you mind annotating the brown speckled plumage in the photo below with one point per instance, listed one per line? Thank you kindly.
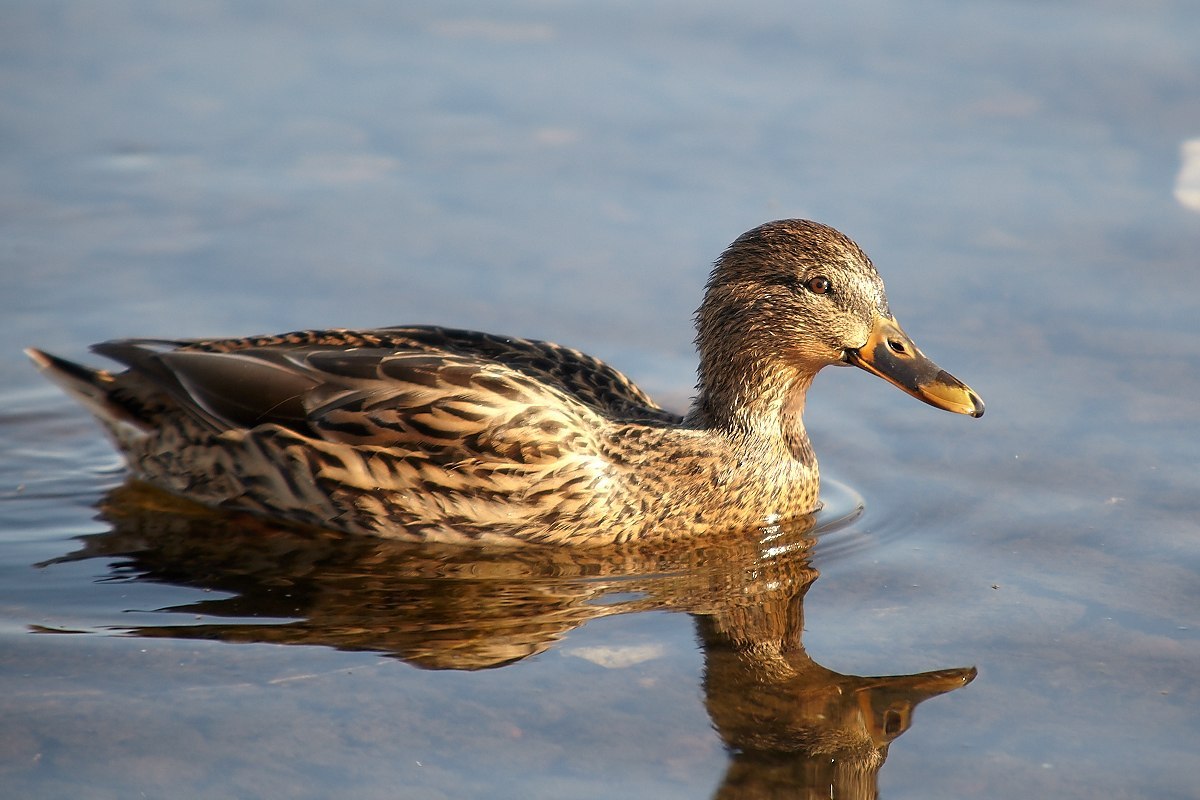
(429, 433)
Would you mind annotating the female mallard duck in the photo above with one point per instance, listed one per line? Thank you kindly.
(430, 433)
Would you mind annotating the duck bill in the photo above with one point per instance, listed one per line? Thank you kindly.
(886, 703)
(891, 355)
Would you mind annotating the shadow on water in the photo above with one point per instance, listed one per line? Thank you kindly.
(792, 727)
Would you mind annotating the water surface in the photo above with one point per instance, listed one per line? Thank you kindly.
(1017, 171)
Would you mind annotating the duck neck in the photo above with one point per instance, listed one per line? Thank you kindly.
(763, 415)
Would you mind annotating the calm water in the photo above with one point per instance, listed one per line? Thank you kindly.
(1018, 173)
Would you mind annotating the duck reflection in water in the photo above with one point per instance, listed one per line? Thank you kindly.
(792, 727)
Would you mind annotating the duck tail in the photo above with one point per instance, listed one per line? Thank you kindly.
(91, 387)
(80, 381)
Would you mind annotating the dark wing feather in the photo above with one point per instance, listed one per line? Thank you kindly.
(222, 390)
(244, 389)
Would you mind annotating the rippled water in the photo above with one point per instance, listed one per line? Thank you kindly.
(1024, 176)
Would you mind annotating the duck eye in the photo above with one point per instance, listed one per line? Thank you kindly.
(818, 285)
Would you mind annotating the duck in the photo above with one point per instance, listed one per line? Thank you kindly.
(436, 434)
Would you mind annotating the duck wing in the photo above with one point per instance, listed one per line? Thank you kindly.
(453, 394)
(273, 372)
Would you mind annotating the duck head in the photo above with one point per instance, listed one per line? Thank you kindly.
(793, 296)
